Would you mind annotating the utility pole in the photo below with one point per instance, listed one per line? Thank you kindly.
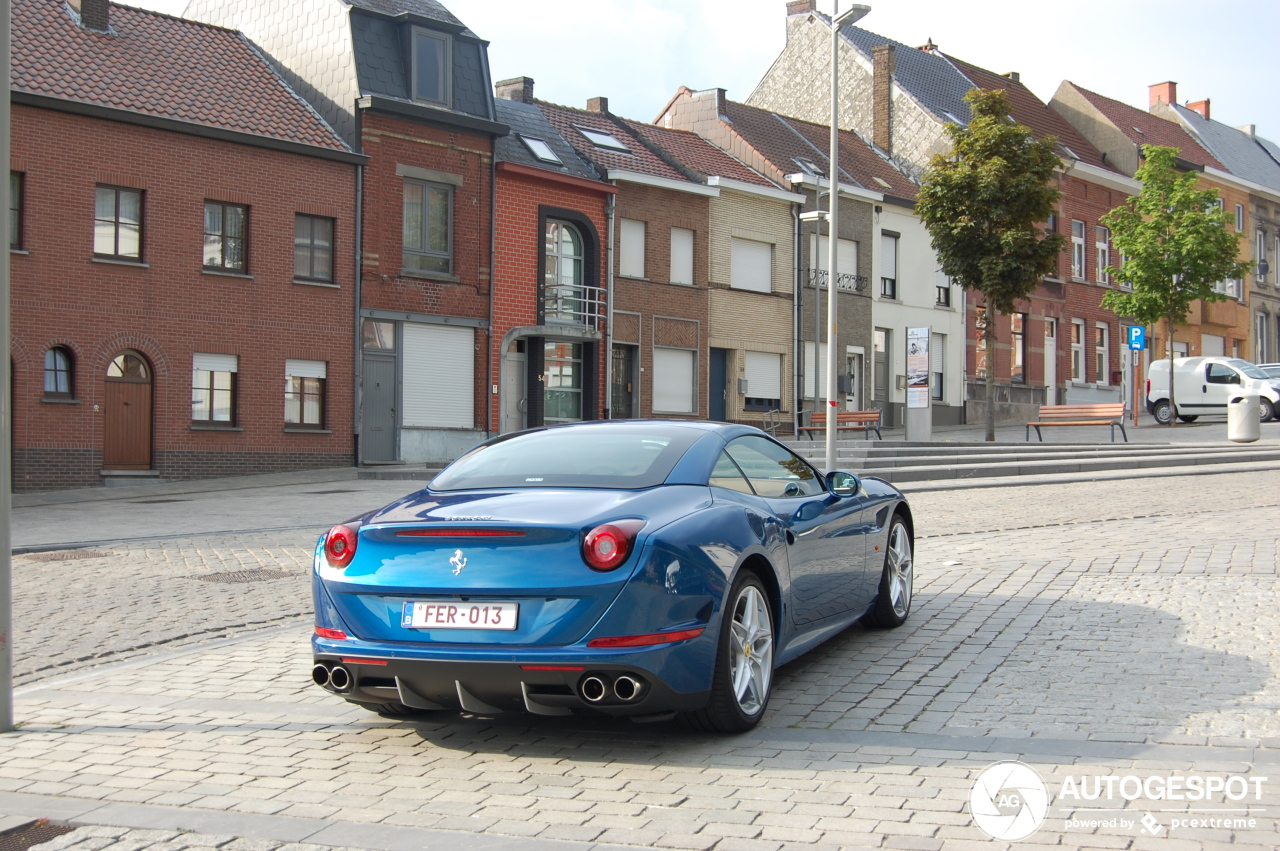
(6, 414)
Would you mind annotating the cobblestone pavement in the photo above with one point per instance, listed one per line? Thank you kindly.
(1122, 631)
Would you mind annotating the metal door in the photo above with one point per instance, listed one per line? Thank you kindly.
(126, 415)
(718, 386)
(622, 399)
(378, 407)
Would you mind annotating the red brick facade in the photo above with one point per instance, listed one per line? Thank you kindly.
(167, 307)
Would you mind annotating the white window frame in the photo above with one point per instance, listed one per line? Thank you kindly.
(1239, 218)
(1260, 339)
(682, 247)
(763, 371)
(1077, 249)
(889, 267)
(215, 364)
(1078, 373)
(1260, 249)
(631, 239)
(744, 272)
(446, 82)
(658, 398)
(1102, 243)
(1102, 353)
(304, 369)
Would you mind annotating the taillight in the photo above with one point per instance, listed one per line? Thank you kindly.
(331, 634)
(608, 545)
(1148, 386)
(340, 546)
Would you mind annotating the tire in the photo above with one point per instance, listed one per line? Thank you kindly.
(743, 677)
(1162, 411)
(1266, 410)
(1188, 418)
(897, 578)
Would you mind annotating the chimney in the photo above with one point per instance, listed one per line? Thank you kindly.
(519, 89)
(1250, 130)
(882, 97)
(94, 14)
(929, 46)
(598, 105)
(1014, 76)
(1162, 93)
(801, 7)
(1200, 106)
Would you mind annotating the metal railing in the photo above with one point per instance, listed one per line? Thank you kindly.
(573, 305)
(844, 281)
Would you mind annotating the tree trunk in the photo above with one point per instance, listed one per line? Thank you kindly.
(1173, 398)
(988, 334)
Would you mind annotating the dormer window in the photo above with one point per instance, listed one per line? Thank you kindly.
(541, 150)
(431, 64)
(601, 139)
(1063, 149)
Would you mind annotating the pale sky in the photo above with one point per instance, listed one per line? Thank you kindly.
(638, 52)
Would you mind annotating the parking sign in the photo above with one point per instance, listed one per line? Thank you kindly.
(1137, 337)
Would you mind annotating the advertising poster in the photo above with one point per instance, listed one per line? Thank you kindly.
(917, 367)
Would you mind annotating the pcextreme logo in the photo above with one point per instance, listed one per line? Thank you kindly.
(1008, 801)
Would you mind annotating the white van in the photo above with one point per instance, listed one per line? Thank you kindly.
(1205, 385)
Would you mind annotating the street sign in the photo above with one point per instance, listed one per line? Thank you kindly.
(1137, 337)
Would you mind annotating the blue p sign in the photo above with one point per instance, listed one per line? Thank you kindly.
(1137, 338)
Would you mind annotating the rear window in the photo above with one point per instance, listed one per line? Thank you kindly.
(622, 457)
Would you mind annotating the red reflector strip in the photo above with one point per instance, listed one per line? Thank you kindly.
(459, 533)
(646, 640)
(332, 634)
(364, 661)
(552, 668)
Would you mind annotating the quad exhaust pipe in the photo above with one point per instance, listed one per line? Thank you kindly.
(336, 678)
(597, 688)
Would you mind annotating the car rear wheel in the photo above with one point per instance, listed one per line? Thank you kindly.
(897, 578)
(1162, 411)
(743, 676)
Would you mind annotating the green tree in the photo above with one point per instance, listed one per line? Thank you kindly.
(1176, 246)
(984, 205)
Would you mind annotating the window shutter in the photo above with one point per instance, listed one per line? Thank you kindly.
(752, 266)
(764, 375)
(681, 256)
(305, 368)
(631, 249)
(937, 343)
(439, 369)
(815, 372)
(215, 363)
(889, 261)
(673, 381)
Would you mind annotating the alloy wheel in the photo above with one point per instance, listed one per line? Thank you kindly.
(751, 644)
(899, 565)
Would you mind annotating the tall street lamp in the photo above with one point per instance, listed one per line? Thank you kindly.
(849, 16)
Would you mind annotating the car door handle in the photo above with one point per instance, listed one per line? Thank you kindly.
(1204, 388)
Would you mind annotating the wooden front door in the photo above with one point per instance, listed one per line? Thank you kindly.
(126, 429)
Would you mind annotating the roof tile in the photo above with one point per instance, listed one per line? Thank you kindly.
(638, 158)
(1143, 128)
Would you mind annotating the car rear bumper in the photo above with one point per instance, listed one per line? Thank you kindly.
(490, 687)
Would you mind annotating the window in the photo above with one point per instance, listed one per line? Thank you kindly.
(1239, 218)
(937, 361)
(1018, 353)
(57, 372)
(888, 266)
(431, 65)
(1235, 287)
(764, 381)
(117, 223)
(882, 364)
(1102, 240)
(428, 227)
(726, 474)
(981, 360)
(562, 364)
(313, 248)
(1077, 249)
(815, 372)
(772, 470)
(1259, 343)
(674, 381)
(304, 382)
(943, 286)
(1077, 350)
(601, 139)
(751, 265)
(630, 248)
(846, 257)
(1125, 285)
(225, 236)
(1260, 250)
(540, 149)
(681, 256)
(213, 389)
(378, 335)
(563, 297)
(15, 211)
(1102, 353)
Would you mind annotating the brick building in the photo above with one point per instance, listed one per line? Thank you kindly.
(182, 255)
(1120, 130)
(407, 84)
(550, 309)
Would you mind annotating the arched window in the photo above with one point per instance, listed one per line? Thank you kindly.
(129, 366)
(57, 372)
(562, 289)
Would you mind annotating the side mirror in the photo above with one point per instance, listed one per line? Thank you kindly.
(843, 484)
(1234, 379)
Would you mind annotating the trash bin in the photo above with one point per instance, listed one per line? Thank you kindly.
(1242, 418)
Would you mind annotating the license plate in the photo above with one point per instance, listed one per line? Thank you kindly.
(430, 615)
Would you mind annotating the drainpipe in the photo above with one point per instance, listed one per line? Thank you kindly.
(357, 396)
(607, 354)
(493, 282)
(795, 321)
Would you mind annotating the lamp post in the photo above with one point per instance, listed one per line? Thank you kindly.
(853, 13)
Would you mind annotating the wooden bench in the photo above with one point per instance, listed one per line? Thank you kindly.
(1108, 414)
(867, 421)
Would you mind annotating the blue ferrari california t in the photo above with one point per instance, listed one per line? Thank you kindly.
(633, 568)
